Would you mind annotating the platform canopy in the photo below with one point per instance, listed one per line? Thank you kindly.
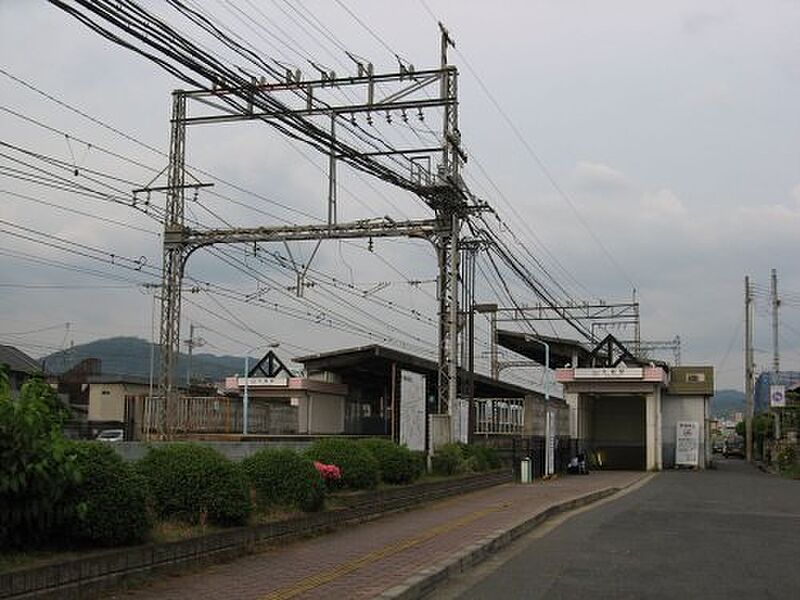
(369, 361)
(562, 351)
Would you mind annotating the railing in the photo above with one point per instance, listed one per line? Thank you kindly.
(200, 414)
(499, 416)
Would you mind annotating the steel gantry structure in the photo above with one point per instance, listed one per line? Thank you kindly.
(441, 187)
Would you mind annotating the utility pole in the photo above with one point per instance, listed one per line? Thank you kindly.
(748, 367)
(776, 360)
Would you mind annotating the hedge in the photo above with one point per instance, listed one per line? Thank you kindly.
(360, 470)
(448, 460)
(195, 483)
(109, 505)
(284, 478)
(480, 457)
(397, 464)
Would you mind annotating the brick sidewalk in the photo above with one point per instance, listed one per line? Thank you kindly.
(365, 560)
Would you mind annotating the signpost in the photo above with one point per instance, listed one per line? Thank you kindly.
(412, 410)
(687, 442)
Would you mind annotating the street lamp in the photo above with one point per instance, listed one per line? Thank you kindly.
(549, 467)
(546, 363)
(246, 396)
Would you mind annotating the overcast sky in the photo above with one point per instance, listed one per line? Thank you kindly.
(661, 152)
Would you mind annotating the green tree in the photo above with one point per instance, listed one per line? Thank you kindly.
(36, 467)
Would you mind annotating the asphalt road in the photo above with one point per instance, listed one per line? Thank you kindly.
(733, 532)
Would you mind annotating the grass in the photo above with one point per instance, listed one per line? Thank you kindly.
(792, 472)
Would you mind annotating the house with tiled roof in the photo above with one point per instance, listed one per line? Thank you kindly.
(20, 366)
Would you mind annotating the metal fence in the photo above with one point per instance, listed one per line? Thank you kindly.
(499, 416)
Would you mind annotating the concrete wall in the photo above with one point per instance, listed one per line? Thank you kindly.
(682, 408)
(535, 416)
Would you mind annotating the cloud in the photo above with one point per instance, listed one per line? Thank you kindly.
(599, 177)
(795, 193)
(699, 22)
(662, 204)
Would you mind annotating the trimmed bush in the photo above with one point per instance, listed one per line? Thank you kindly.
(448, 460)
(284, 478)
(360, 470)
(420, 462)
(397, 463)
(479, 457)
(109, 505)
(195, 483)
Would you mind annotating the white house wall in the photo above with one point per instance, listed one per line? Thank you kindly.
(682, 408)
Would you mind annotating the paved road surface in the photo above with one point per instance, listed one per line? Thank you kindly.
(733, 532)
(366, 560)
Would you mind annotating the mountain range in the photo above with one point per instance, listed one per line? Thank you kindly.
(132, 356)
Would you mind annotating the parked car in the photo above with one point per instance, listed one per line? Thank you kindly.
(717, 446)
(733, 447)
(111, 435)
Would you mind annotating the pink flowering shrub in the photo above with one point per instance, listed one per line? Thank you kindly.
(330, 473)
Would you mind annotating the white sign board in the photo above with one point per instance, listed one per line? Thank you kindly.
(550, 443)
(687, 443)
(777, 395)
(620, 372)
(461, 421)
(412, 410)
(262, 381)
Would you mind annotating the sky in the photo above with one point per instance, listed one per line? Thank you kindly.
(629, 146)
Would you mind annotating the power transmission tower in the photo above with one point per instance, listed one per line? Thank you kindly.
(442, 187)
(749, 368)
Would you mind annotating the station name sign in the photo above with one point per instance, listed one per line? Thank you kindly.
(620, 372)
(262, 381)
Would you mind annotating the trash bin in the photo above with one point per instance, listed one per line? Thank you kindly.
(525, 470)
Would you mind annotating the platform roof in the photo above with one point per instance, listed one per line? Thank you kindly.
(367, 361)
(561, 349)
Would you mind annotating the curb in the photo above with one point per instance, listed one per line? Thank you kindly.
(424, 582)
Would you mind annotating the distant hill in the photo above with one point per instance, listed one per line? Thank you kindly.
(131, 356)
(726, 402)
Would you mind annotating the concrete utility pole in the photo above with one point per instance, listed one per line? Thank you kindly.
(749, 368)
(776, 359)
